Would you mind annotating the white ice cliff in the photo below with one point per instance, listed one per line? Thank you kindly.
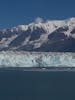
(26, 59)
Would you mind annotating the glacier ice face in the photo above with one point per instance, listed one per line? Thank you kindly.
(29, 59)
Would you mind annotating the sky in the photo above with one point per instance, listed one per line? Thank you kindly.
(17, 12)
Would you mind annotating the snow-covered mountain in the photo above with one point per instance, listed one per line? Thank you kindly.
(51, 35)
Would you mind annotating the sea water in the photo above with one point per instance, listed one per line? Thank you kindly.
(37, 85)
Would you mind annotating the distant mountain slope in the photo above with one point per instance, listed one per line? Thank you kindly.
(54, 35)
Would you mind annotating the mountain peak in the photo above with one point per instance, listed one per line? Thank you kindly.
(48, 25)
(50, 35)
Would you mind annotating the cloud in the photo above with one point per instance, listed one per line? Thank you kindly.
(38, 20)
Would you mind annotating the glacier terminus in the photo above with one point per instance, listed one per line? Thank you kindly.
(36, 59)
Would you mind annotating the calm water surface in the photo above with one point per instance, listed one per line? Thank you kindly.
(20, 85)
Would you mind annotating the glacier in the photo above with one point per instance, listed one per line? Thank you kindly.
(36, 59)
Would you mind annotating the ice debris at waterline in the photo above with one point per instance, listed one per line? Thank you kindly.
(36, 59)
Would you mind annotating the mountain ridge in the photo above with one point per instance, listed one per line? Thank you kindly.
(48, 36)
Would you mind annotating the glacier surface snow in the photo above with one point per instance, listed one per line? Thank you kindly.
(29, 59)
